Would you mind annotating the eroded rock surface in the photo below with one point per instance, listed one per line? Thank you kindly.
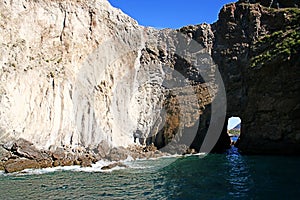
(20, 164)
(256, 49)
(14, 161)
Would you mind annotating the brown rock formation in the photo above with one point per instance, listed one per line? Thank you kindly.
(20, 164)
(26, 149)
(275, 3)
(257, 50)
(255, 45)
(1, 166)
(12, 160)
(117, 164)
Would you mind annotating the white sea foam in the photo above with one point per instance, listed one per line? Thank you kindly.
(76, 168)
(196, 154)
(143, 163)
(47, 170)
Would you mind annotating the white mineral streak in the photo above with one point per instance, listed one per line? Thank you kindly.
(70, 74)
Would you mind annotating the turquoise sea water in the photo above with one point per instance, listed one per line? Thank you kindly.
(215, 176)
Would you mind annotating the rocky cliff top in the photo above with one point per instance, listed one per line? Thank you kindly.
(274, 3)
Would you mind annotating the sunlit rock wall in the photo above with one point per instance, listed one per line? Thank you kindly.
(64, 65)
(79, 72)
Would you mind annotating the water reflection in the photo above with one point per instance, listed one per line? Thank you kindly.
(239, 177)
(216, 176)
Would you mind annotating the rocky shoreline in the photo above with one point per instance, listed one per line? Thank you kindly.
(21, 154)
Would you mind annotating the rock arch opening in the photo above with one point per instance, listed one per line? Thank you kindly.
(234, 128)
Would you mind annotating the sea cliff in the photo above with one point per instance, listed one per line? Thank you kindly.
(76, 74)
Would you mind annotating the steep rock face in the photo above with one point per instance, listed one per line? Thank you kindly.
(80, 72)
(191, 82)
(188, 51)
(257, 49)
(59, 61)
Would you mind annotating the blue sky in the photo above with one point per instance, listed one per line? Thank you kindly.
(171, 13)
(233, 121)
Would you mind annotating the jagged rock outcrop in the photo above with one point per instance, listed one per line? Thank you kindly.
(20, 164)
(21, 154)
(275, 3)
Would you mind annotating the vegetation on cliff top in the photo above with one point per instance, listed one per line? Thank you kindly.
(279, 45)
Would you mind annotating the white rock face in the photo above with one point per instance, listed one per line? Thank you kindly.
(69, 73)
(79, 72)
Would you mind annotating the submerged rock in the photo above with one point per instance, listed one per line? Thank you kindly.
(113, 165)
